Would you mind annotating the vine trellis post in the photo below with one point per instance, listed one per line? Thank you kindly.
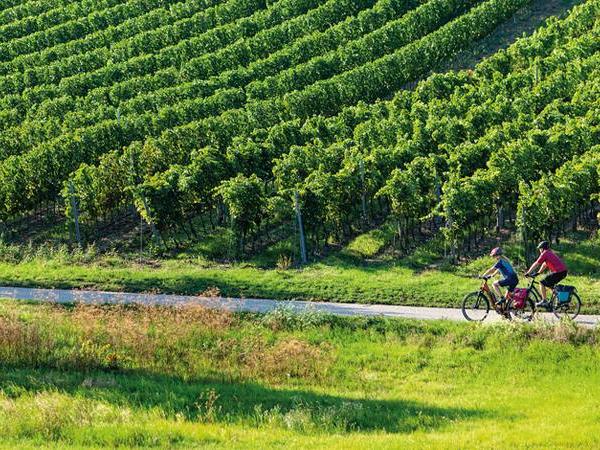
(75, 208)
(303, 256)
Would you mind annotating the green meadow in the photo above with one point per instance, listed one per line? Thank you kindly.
(131, 377)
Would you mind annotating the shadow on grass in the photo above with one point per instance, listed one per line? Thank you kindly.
(238, 402)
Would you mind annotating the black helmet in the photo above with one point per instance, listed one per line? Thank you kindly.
(544, 245)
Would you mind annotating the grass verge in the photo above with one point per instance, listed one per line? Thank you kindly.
(420, 278)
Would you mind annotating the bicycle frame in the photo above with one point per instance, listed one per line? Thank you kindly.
(537, 294)
(533, 288)
(485, 288)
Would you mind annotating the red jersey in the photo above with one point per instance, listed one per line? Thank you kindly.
(553, 262)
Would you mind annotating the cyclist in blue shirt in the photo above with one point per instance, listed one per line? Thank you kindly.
(506, 269)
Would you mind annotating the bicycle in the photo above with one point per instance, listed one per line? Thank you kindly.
(476, 305)
(560, 309)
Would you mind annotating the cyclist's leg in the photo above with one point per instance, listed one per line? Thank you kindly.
(509, 283)
(513, 284)
(551, 280)
(561, 276)
(496, 286)
(545, 284)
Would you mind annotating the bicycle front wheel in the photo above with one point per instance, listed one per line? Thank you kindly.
(567, 309)
(475, 306)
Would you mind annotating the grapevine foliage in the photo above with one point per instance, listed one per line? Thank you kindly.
(244, 107)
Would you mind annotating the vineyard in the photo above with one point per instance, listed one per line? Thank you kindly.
(284, 152)
(298, 120)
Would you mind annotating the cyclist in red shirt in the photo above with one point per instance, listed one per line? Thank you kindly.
(548, 260)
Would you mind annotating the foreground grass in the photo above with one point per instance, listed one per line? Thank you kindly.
(142, 377)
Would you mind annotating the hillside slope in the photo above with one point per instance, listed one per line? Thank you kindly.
(79, 82)
(198, 112)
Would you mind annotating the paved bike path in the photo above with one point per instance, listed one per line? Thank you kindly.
(251, 304)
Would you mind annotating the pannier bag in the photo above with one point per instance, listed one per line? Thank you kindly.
(519, 296)
(563, 293)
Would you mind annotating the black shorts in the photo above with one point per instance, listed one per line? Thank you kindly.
(553, 278)
(510, 283)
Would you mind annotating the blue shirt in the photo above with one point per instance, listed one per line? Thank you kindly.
(505, 268)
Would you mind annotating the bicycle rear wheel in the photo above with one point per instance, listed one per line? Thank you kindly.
(475, 306)
(567, 309)
(524, 314)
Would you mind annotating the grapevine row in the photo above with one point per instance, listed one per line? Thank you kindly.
(392, 36)
(338, 190)
(403, 161)
(167, 81)
(176, 95)
(210, 35)
(13, 10)
(548, 203)
(112, 12)
(175, 146)
(183, 14)
(422, 152)
(49, 19)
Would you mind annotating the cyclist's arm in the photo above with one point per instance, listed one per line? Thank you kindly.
(532, 268)
(534, 265)
(541, 262)
(490, 272)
